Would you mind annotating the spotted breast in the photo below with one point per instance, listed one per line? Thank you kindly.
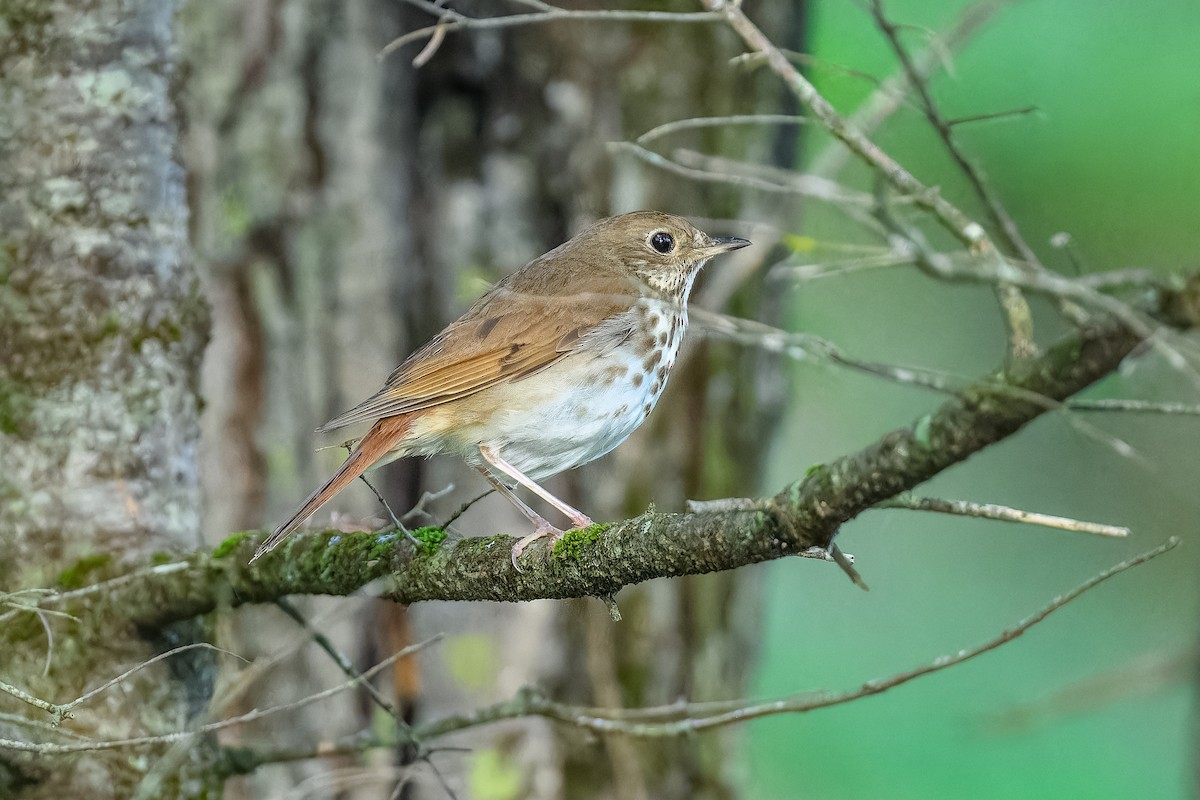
(594, 399)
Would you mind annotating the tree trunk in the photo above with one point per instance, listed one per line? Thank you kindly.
(101, 330)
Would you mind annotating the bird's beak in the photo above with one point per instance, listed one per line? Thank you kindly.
(722, 244)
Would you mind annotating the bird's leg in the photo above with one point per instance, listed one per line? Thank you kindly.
(492, 456)
(542, 526)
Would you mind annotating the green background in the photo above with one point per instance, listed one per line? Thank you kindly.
(1095, 702)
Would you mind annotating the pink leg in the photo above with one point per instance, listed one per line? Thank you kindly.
(542, 527)
(492, 456)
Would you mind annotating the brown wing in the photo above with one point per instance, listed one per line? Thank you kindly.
(500, 339)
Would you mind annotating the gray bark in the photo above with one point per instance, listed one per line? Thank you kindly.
(101, 330)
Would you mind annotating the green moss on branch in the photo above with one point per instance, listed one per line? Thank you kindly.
(575, 541)
(602, 559)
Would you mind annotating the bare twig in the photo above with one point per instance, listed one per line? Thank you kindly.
(43, 726)
(53, 709)
(45, 748)
(464, 508)
(1000, 271)
(990, 117)
(662, 162)
(1140, 406)
(1087, 293)
(810, 347)
(966, 508)
(344, 663)
(890, 96)
(816, 270)
(784, 180)
(683, 719)
(62, 711)
(809, 60)
(454, 21)
(1010, 234)
(1017, 316)
(435, 41)
(692, 123)
(427, 497)
(970, 233)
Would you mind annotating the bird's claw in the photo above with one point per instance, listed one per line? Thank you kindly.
(540, 533)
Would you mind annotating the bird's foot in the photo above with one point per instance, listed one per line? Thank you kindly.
(544, 529)
(581, 521)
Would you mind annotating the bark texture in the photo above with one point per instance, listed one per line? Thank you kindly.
(101, 330)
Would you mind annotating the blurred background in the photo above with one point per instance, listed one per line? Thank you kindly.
(345, 207)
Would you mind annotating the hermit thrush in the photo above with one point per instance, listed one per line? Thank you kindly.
(555, 366)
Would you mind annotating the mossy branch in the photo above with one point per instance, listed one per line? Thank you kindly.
(601, 560)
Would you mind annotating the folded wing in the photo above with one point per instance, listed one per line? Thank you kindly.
(492, 343)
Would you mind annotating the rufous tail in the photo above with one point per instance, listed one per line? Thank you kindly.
(383, 437)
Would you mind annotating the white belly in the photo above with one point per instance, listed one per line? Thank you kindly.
(586, 405)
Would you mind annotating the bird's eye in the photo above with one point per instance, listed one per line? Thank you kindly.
(662, 241)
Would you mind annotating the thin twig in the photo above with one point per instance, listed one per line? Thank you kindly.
(991, 117)
(250, 716)
(683, 719)
(1141, 406)
(717, 169)
(427, 497)
(892, 92)
(810, 347)
(832, 269)
(464, 508)
(343, 661)
(784, 180)
(999, 271)
(379, 496)
(1010, 233)
(662, 162)
(967, 508)
(62, 711)
(435, 41)
(457, 21)
(43, 726)
(692, 123)
(1017, 316)
(103, 586)
(53, 709)
(808, 60)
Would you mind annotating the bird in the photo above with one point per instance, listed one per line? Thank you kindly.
(553, 367)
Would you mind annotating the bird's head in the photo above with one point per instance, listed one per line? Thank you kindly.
(663, 251)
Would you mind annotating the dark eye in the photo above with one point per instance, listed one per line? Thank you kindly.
(662, 241)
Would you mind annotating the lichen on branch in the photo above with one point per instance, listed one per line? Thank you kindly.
(601, 560)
